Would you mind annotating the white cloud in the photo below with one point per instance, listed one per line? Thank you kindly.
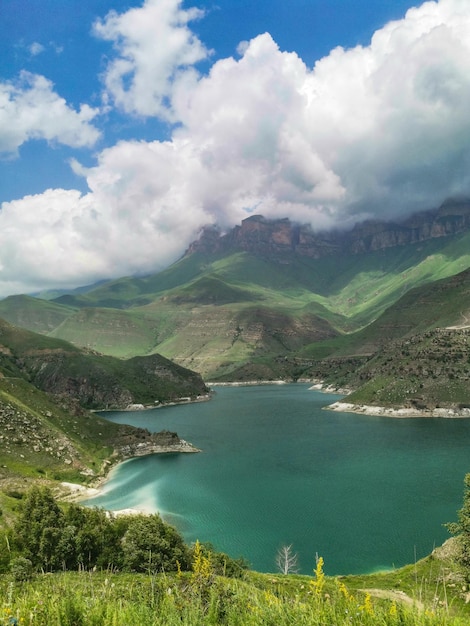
(31, 109)
(43, 239)
(378, 130)
(246, 121)
(155, 49)
(374, 131)
(123, 226)
(36, 48)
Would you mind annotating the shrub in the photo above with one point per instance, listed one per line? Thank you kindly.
(21, 569)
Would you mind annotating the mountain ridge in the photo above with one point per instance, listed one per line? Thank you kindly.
(281, 236)
(248, 299)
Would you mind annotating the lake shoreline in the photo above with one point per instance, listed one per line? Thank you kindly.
(80, 493)
(250, 383)
(75, 492)
(271, 440)
(398, 412)
(160, 405)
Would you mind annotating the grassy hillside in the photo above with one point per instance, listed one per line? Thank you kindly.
(38, 315)
(347, 283)
(202, 322)
(49, 439)
(349, 360)
(40, 439)
(425, 371)
(440, 304)
(209, 323)
(91, 379)
(137, 569)
(428, 593)
(217, 314)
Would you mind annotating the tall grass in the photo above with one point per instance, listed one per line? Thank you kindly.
(200, 597)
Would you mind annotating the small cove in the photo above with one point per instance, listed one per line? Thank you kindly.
(275, 468)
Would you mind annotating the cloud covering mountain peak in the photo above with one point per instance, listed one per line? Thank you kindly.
(376, 131)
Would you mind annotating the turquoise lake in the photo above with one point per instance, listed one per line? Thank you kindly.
(364, 492)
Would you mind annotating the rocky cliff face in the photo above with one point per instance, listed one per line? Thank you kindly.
(259, 235)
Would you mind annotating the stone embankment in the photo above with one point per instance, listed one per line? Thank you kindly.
(248, 383)
(163, 442)
(367, 409)
(158, 405)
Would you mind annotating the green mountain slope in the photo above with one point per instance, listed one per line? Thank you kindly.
(94, 380)
(240, 307)
(442, 303)
(425, 371)
(38, 315)
(356, 286)
(46, 387)
(43, 437)
(219, 309)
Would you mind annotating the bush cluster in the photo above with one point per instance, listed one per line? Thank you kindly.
(53, 539)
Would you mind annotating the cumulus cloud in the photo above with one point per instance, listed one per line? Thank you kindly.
(31, 109)
(36, 48)
(398, 109)
(246, 122)
(373, 131)
(61, 238)
(155, 49)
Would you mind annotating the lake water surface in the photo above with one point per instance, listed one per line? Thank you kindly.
(363, 492)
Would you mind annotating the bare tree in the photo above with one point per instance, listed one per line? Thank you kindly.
(287, 560)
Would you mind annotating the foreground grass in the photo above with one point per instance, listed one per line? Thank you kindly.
(100, 598)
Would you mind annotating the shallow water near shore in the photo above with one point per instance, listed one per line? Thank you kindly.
(366, 493)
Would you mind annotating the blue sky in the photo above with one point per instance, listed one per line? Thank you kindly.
(125, 127)
(73, 59)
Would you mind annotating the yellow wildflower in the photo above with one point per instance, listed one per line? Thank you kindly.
(367, 606)
(319, 581)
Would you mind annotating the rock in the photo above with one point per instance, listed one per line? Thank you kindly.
(276, 238)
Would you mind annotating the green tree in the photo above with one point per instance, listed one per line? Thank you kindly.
(5, 551)
(49, 554)
(151, 545)
(96, 539)
(37, 528)
(462, 529)
(222, 564)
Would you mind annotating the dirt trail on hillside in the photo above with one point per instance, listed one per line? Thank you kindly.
(398, 596)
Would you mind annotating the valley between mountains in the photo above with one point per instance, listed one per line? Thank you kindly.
(381, 312)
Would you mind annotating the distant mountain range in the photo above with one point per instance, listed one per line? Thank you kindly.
(275, 238)
(271, 299)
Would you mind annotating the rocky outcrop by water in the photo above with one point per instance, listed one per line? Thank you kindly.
(387, 411)
(154, 443)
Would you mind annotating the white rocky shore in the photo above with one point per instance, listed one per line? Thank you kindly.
(160, 405)
(367, 409)
(73, 492)
(248, 383)
(144, 448)
(386, 411)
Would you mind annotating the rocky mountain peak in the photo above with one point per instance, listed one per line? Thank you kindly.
(259, 235)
